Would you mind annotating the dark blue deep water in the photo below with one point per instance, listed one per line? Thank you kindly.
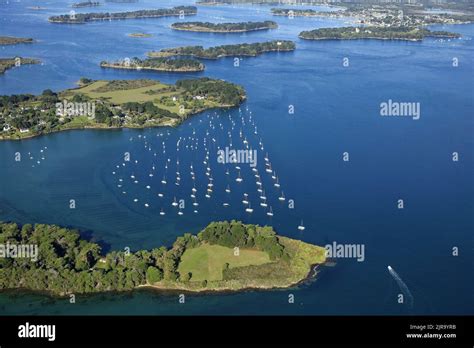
(336, 111)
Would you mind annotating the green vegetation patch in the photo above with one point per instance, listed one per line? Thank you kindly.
(157, 64)
(117, 104)
(245, 49)
(207, 262)
(382, 33)
(9, 40)
(58, 260)
(8, 63)
(80, 18)
(224, 27)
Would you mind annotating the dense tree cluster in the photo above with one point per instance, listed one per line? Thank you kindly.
(86, 17)
(164, 64)
(65, 263)
(68, 264)
(10, 40)
(85, 4)
(245, 49)
(220, 91)
(236, 234)
(39, 114)
(148, 108)
(392, 33)
(225, 27)
(7, 63)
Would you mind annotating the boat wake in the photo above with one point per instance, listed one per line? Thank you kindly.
(402, 285)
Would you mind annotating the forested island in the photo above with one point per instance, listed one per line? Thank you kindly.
(10, 40)
(245, 49)
(298, 12)
(140, 35)
(156, 64)
(85, 4)
(224, 27)
(113, 104)
(223, 256)
(8, 63)
(380, 33)
(80, 18)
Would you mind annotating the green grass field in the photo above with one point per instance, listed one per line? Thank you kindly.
(134, 94)
(121, 96)
(206, 262)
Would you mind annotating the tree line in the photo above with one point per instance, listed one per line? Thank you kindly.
(86, 17)
(66, 263)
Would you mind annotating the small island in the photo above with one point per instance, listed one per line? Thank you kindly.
(113, 104)
(140, 35)
(208, 27)
(250, 50)
(81, 18)
(378, 33)
(298, 12)
(156, 64)
(85, 4)
(8, 63)
(224, 256)
(10, 40)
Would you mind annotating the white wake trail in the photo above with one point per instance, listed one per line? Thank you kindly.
(402, 285)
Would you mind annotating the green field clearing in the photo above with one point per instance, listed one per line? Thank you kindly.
(206, 262)
(122, 96)
(133, 94)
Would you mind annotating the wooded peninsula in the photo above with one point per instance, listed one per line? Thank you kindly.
(379, 33)
(245, 49)
(224, 27)
(85, 4)
(8, 63)
(113, 104)
(156, 64)
(223, 256)
(10, 40)
(81, 18)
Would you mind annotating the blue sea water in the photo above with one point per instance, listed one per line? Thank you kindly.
(336, 111)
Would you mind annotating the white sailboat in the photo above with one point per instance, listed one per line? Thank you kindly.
(245, 201)
(277, 183)
(301, 226)
(282, 197)
(270, 212)
(174, 204)
(239, 178)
